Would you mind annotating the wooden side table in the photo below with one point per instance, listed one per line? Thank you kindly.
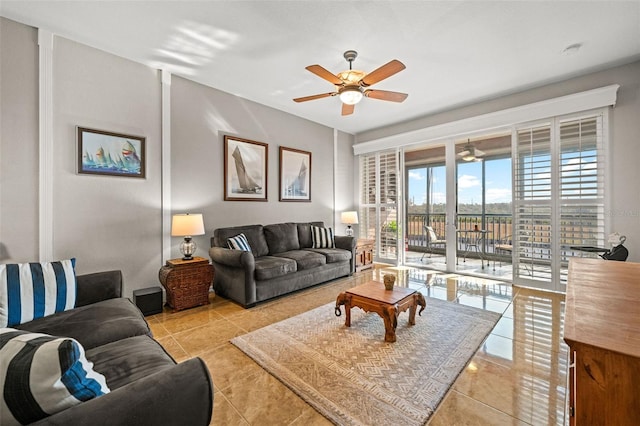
(187, 282)
(364, 254)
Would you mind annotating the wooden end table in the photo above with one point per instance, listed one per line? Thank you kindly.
(372, 297)
(364, 254)
(187, 282)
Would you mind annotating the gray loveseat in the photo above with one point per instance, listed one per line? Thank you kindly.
(146, 385)
(282, 259)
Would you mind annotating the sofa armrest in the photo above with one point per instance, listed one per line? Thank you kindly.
(234, 276)
(347, 243)
(180, 395)
(233, 258)
(98, 286)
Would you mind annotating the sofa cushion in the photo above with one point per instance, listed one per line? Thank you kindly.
(128, 360)
(239, 242)
(333, 254)
(281, 237)
(304, 233)
(35, 290)
(305, 259)
(94, 325)
(254, 234)
(42, 375)
(322, 237)
(268, 267)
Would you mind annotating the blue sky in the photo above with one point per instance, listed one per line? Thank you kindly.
(498, 183)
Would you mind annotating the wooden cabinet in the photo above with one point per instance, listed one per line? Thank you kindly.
(364, 254)
(187, 282)
(602, 329)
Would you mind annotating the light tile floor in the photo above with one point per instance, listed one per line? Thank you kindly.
(517, 377)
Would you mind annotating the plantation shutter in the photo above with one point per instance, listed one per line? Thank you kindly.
(558, 196)
(378, 202)
(367, 215)
(581, 178)
(532, 203)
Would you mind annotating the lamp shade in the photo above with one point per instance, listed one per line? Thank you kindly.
(187, 224)
(349, 218)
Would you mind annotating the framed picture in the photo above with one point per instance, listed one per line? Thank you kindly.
(295, 175)
(108, 153)
(245, 169)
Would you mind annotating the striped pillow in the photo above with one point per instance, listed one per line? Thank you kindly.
(239, 242)
(322, 237)
(41, 375)
(34, 290)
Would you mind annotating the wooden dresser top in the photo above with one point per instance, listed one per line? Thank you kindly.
(603, 305)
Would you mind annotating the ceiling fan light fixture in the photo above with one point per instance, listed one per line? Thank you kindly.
(350, 95)
(469, 157)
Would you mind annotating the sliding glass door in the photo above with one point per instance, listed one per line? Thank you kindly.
(528, 201)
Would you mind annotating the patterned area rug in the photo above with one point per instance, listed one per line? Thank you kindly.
(352, 377)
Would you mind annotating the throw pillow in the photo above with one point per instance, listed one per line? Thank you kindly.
(239, 242)
(41, 375)
(322, 237)
(34, 290)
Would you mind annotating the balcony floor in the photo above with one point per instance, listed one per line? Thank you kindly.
(470, 266)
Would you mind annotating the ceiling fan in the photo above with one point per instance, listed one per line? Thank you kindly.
(470, 152)
(352, 85)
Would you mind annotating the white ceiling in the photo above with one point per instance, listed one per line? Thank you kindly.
(456, 53)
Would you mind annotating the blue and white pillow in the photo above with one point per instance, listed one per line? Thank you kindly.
(35, 290)
(322, 237)
(239, 242)
(41, 375)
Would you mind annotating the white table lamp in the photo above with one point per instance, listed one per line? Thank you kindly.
(187, 225)
(349, 218)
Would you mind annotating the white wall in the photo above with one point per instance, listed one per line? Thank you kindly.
(106, 222)
(200, 117)
(18, 141)
(116, 223)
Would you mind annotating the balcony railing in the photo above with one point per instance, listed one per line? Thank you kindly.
(498, 227)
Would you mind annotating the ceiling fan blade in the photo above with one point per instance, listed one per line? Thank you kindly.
(479, 153)
(312, 97)
(347, 109)
(463, 153)
(324, 73)
(385, 95)
(385, 71)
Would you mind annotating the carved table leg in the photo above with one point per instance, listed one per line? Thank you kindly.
(390, 317)
(418, 299)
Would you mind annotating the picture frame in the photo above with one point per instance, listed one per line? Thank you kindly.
(245, 169)
(295, 175)
(102, 152)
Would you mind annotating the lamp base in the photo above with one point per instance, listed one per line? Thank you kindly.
(187, 248)
(349, 231)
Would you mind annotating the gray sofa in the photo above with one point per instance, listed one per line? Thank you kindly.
(282, 259)
(147, 386)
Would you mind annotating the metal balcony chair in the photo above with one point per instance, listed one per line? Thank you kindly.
(432, 240)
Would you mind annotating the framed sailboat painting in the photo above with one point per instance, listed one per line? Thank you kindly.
(295, 175)
(108, 153)
(245, 169)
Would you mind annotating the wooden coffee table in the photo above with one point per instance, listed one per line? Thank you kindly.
(372, 297)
